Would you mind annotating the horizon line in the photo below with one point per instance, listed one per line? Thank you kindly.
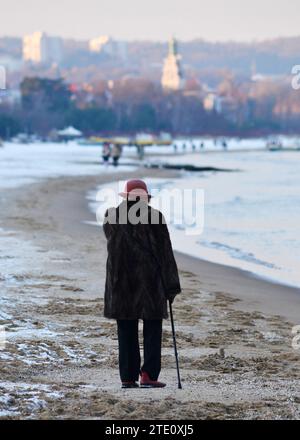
(162, 41)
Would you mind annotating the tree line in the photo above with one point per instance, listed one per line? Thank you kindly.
(131, 105)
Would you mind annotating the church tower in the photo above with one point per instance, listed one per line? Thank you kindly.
(172, 78)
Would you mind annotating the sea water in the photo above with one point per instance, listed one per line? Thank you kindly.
(251, 216)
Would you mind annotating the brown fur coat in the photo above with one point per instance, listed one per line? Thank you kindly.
(141, 272)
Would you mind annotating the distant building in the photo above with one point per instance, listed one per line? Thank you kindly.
(101, 44)
(172, 78)
(212, 102)
(32, 50)
(106, 45)
(40, 48)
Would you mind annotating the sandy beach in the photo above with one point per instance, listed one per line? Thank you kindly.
(234, 330)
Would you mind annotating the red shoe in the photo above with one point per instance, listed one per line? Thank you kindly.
(146, 382)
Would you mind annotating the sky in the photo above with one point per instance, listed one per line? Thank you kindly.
(214, 20)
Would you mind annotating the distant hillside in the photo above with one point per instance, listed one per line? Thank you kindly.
(270, 57)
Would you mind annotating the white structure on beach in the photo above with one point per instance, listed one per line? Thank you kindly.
(172, 78)
(70, 132)
(40, 48)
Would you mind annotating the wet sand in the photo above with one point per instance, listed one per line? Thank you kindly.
(61, 359)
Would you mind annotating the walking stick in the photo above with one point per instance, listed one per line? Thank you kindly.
(175, 346)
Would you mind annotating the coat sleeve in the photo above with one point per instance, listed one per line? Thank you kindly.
(109, 224)
(169, 270)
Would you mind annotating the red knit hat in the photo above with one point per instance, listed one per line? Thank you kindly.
(135, 188)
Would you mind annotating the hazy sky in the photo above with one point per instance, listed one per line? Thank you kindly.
(153, 19)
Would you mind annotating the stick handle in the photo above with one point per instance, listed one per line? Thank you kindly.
(175, 345)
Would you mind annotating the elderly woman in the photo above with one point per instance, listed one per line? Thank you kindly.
(141, 275)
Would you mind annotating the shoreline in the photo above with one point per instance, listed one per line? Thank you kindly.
(253, 286)
(62, 352)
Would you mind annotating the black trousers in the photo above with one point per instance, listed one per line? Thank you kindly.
(129, 349)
